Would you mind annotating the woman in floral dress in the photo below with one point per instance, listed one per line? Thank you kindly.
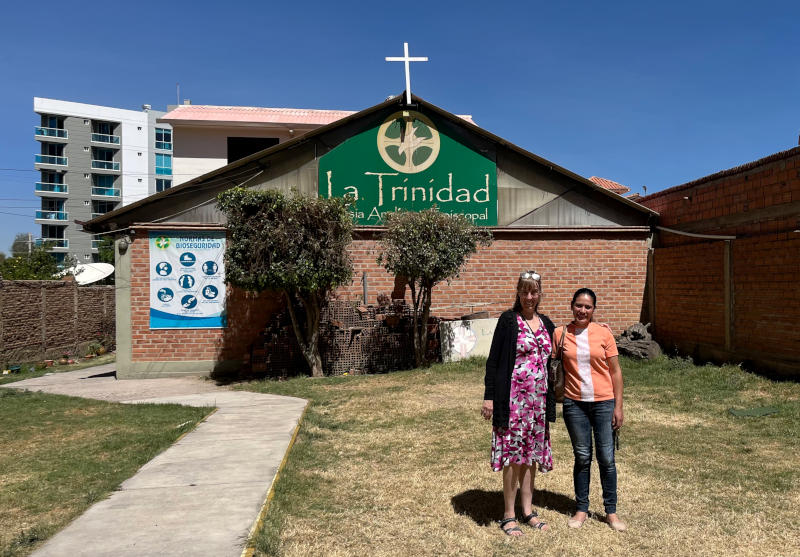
(519, 402)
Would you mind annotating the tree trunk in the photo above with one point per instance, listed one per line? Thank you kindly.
(308, 336)
(421, 299)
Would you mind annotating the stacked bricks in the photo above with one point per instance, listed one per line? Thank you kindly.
(764, 258)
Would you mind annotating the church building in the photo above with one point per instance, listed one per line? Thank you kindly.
(175, 315)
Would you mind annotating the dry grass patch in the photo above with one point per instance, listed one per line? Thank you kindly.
(398, 465)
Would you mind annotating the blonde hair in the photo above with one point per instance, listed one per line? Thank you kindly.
(527, 285)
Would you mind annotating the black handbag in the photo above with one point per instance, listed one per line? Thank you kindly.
(556, 370)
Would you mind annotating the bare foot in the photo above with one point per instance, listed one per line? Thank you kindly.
(615, 523)
(577, 519)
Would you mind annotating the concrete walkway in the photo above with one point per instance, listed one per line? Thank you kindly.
(199, 497)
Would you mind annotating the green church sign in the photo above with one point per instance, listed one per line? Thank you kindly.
(407, 164)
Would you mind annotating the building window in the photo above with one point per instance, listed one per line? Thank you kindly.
(163, 164)
(241, 147)
(163, 139)
(162, 184)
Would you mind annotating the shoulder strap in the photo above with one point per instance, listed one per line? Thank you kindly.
(561, 342)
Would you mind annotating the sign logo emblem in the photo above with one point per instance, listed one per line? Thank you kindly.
(162, 242)
(163, 269)
(210, 268)
(165, 294)
(187, 259)
(408, 142)
(186, 281)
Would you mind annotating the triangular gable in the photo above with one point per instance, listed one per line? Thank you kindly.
(525, 189)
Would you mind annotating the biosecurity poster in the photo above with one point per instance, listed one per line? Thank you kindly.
(187, 279)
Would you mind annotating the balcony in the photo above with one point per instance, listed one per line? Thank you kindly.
(105, 138)
(49, 133)
(106, 192)
(51, 188)
(51, 159)
(105, 165)
(51, 215)
(54, 242)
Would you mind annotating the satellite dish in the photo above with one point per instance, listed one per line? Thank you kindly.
(87, 273)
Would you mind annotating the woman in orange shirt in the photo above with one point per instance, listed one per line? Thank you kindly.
(592, 404)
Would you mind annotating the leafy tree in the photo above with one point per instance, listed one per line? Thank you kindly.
(39, 264)
(20, 245)
(105, 250)
(427, 248)
(293, 244)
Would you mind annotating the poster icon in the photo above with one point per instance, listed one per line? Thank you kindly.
(186, 281)
(165, 294)
(210, 292)
(188, 259)
(163, 269)
(210, 268)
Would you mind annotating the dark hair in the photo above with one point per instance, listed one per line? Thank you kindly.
(581, 292)
(527, 284)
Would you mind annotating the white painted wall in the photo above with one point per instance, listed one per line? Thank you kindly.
(201, 149)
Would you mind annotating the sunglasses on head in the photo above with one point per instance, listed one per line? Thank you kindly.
(530, 275)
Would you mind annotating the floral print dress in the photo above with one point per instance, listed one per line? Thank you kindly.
(526, 440)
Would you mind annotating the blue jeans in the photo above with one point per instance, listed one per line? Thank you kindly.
(581, 419)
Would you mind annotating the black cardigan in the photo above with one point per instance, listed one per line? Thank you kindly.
(500, 364)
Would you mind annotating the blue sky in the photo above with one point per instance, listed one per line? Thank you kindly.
(643, 93)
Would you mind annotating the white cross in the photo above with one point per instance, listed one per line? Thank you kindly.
(406, 58)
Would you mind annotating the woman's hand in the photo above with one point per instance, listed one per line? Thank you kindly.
(487, 409)
(618, 418)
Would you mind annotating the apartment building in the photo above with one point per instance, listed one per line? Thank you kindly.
(93, 159)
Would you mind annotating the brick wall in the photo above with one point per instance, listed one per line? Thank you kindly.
(690, 301)
(40, 319)
(612, 264)
(247, 314)
(759, 204)
(765, 270)
(771, 182)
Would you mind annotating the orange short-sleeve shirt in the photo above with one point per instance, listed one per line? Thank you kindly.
(587, 376)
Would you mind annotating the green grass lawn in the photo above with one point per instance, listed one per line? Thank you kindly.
(397, 464)
(60, 454)
(81, 364)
